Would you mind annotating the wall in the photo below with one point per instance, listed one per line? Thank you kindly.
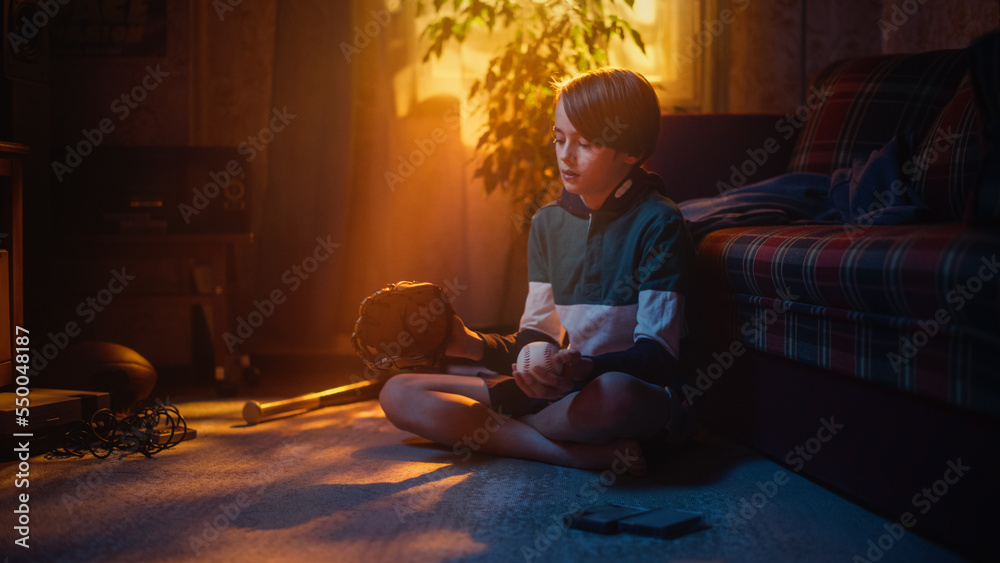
(216, 88)
(937, 24)
(213, 88)
(85, 90)
(229, 68)
(764, 40)
(232, 74)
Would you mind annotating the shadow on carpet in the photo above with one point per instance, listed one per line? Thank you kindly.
(343, 484)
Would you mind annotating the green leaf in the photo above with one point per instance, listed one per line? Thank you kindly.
(447, 25)
(637, 37)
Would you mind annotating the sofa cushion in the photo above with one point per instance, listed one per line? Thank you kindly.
(916, 307)
(908, 271)
(869, 100)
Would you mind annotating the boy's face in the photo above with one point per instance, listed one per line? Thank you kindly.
(588, 167)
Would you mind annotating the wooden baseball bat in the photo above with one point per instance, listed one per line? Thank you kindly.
(254, 412)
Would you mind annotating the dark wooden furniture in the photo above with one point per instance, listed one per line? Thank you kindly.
(169, 275)
(11, 255)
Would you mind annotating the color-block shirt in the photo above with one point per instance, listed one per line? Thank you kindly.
(614, 279)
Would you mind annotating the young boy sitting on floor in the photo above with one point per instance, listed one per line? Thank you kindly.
(609, 264)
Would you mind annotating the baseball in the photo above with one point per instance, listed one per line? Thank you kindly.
(538, 354)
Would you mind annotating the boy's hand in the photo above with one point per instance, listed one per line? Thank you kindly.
(542, 384)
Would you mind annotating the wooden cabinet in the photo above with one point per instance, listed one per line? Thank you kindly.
(11, 289)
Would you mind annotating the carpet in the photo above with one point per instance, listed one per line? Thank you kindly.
(343, 484)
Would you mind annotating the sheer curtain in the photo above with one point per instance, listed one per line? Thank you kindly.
(417, 212)
(378, 160)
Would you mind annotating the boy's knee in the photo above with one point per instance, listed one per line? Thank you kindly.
(393, 396)
(614, 398)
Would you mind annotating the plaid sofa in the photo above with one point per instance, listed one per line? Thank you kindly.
(897, 327)
(913, 307)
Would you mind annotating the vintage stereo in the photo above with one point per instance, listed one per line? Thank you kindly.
(156, 190)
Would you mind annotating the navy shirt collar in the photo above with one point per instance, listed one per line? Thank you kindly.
(621, 199)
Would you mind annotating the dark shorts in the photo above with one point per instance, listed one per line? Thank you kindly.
(507, 398)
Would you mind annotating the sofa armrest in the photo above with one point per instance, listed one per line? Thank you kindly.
(701, 155)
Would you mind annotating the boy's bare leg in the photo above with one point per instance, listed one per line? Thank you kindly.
(612, 405)
(455, 411)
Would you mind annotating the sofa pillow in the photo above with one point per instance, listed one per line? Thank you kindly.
(944, 167)
(984, 70)
(874, 191)
(858, 105)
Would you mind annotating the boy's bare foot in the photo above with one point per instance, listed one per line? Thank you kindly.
(622, 456)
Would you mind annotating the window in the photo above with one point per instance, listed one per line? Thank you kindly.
(679, 45)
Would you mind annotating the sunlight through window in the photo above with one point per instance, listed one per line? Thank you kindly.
(666, 26)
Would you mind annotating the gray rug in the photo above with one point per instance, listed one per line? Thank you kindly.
(342, 484)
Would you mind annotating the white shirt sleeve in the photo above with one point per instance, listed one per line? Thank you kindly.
(540, 311)
(661, 318)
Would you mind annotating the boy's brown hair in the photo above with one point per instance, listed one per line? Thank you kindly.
(614, 107)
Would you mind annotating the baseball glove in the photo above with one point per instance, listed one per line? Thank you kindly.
(403, 325)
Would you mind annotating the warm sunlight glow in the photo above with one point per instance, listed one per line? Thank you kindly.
(645, 12)
(666, 26)
(421, 545)
(402, 472)
(425, 496)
